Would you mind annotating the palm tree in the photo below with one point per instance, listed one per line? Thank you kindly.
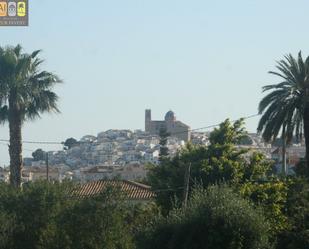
(25, 93)
(286, 107)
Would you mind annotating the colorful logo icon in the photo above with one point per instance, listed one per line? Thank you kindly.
(3, 8)
(12, 9)
(21, 8)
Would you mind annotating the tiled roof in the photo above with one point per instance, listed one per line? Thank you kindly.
(131, 190)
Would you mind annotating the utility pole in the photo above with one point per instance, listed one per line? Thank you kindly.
(186, 186)
(47, 166)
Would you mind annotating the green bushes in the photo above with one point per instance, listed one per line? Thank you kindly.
(262, 215)
(31, 213)
(215, 218)
(46, 216)
(297, 212)
(271, 196)
(96, 223)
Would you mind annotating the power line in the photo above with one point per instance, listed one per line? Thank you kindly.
(215, 125)
(34, 142)
(7, 144)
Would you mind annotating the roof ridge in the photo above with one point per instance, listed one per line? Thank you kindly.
(138, 184)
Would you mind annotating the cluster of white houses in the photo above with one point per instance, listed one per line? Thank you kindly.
(119, 147)
(122, 147)
(124, 154)
(136, 170)
(130, 172)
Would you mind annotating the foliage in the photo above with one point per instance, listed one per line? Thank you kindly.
(224, 161)
(246, 140)
(70, 143)
(169, 175)
(33, 211)
(257, 168)
(24, 88)
(142, 215)
(7, 227)
(297, 209)
(45, 215)
(215, 218)
(221, 161)
(272, 197)
(284, 105)
(39, 155)
(95, 223)
(301, 169)
(163, 144)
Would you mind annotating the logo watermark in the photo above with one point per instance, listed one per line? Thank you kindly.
(14, 13)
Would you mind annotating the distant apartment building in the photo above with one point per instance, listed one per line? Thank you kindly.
(34, 173)
(128, 172)
(174, 127)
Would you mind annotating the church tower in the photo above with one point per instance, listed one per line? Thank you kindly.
(147, 120)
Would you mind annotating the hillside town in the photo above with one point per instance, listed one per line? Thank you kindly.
(126, 154)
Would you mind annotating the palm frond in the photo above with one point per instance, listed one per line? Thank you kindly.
(3, 114)
(35, 53)
(24, 84)
(282, 108)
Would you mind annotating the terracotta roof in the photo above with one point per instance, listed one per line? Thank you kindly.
(132, 190)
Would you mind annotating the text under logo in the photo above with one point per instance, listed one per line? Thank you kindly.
(14, 13)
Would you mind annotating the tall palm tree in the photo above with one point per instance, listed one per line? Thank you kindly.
(25, 93)
(286, 107)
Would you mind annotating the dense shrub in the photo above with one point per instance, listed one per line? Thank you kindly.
(297, 210)
(32, 213)
(44, 216)
(271, 196)
(96, 223)
(215, 218)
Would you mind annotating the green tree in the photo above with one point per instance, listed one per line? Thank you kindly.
(225, 162)
(8, 225)
(257, 168)
(286, 107)
(246, 140)
(69, 143)
(25, 93)
(215, 218)
(163, 154)
(297, 211)
(219, 162)
(271, 196)
(33, 213)
(39, 155)
(48, 216)
(99, 222)
(301, 169)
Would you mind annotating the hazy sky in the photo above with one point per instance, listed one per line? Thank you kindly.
(205, 60)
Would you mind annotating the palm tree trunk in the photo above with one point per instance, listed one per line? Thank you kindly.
(15, 148)
(284, 167)
(306, 132)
